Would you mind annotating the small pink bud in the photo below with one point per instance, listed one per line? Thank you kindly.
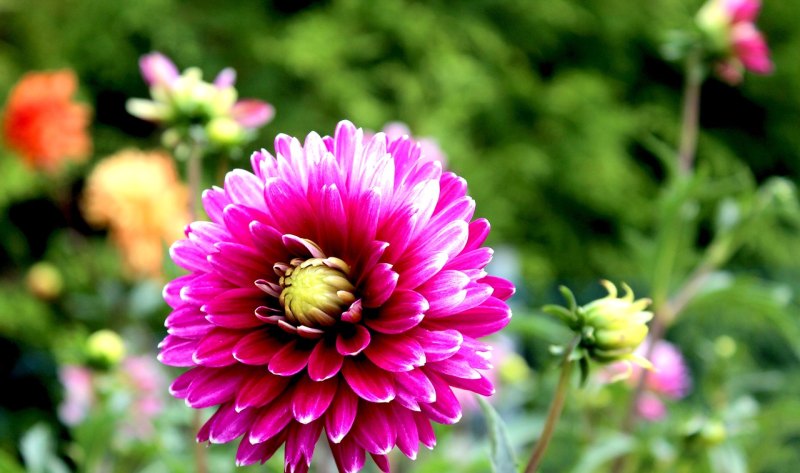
(751, 48)
(252, 113)
(158, 69)
(225, 78)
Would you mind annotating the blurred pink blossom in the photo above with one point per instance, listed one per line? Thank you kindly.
(158, 69)
(730, 24)
(669, 378)
(78, 394)
(251, 113)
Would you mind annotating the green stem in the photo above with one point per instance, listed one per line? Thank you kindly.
(555, 409)
(194, 174)
(691, 112)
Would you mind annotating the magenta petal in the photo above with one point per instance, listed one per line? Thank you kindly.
(407, 435)
(455, 366)
(216, 348)
(259, 390)
(420, 270)
(374, 428)
(188, 322)
(480, 385)
(239, 264)
(380, 285)
(272, 419)
(214, 386)
(445, 290)
(176, 351)
(172, 290)
(446, 409)
(417, 385)
(477, 322)
(325, 361)
(235, 308)
(189, 256)
(300, 446)
(381, 461)
(180, 387)
(248, 453)
(289, 360)
(256, 348)
(395, 353)
(226, 424)
(312, 398)
(403, 311)
(368, 381)
(354, 343)
(438, 344)
(341, 414)
(349, 456)
(503, 288)
(424, 429)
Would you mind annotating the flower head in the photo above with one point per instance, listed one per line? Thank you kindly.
(340, 288)
(139, 197)
(614, 327)
(185, 99)
(729, 27)
(43, 124)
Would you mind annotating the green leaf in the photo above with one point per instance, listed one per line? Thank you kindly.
(502, 454)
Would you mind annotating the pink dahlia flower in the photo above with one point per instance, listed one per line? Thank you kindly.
(340, 288)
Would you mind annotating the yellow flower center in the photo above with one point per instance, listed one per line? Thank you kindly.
(315, 291)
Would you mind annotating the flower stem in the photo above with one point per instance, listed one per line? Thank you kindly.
(555, 409)
(691, 112)
(194, 174)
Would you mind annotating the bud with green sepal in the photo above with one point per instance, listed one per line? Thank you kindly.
(610, 329)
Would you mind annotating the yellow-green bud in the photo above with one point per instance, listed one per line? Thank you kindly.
(44, 281)
(714, 22)
(105, 348)
(614, 327)
(225, 131)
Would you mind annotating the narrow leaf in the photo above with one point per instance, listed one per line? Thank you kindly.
(502, 454)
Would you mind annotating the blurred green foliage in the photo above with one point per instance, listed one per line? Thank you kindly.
(562, 115)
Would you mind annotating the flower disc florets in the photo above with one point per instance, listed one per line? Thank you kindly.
(341, 287)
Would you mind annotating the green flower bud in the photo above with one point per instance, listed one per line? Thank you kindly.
(613, 327)
(104, 349)
(714, 23)
(225, 131)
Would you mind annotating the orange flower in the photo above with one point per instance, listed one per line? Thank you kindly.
(43, 124)
(137, 195)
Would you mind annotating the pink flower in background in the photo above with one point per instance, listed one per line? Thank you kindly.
(340, 288)
(145, 380)
(78, 394)
(730, 25)
(669, 378)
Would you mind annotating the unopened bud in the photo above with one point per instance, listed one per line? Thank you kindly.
(614, 326)
(105, 348)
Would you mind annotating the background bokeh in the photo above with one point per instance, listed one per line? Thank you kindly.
(561, 116)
